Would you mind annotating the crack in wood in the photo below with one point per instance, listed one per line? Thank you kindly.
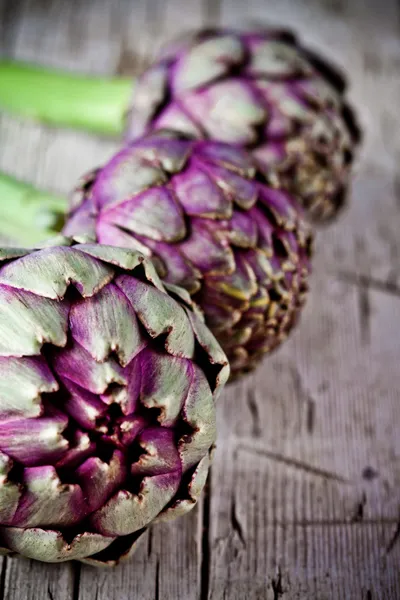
(396, 187)
(310, 422)
(276, 585)
(293, 462)
(394, 539)
(205, 565)
(254, 413)
(359, 512)
(3, 578)
(157, 588)
(388, 287)
(304, 397)
(149, 543)
(50, 593)
(77, 581)
(364, 311)
(236, 524)
(390, 240)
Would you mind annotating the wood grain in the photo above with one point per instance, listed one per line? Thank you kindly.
(304, 496)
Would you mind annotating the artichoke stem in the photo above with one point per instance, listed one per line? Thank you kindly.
(95, 104)
(27, 215)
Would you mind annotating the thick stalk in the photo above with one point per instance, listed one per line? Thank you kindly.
(27, 215)
(95, 104)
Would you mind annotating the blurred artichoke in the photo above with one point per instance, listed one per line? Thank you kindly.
(107, 414)
(207, 217)
(261, 90)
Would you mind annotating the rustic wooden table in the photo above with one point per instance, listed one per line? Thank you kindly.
(304, 495)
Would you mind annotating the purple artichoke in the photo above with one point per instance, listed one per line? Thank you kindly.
(107, 414)
(260, 90)
(207, 217)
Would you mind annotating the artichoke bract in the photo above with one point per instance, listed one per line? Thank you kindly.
(261, 90)
(207, 217)
(107, 390)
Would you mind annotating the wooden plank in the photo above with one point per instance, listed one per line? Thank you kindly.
(164, 566)
(336, 379)
(95, 37)
(30, 580)
(296, 562)
(311, 445)
(306, 479)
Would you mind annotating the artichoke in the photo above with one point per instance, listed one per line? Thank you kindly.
(208, 218)
(260, 90)
(107, 387)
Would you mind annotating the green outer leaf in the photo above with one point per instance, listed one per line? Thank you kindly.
(196, 485)
(199, 412)
(28, 321)
(125, 512)
(120, 257)
(50, 546)
(160, 314)
(10, 492)
(22, 382)
(208, 342)
(107, 323)
(50, 271)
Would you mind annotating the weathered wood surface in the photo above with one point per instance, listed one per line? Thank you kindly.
(304, 496)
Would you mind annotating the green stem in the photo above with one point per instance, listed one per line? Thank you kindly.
(27, 215)
(95, 104)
